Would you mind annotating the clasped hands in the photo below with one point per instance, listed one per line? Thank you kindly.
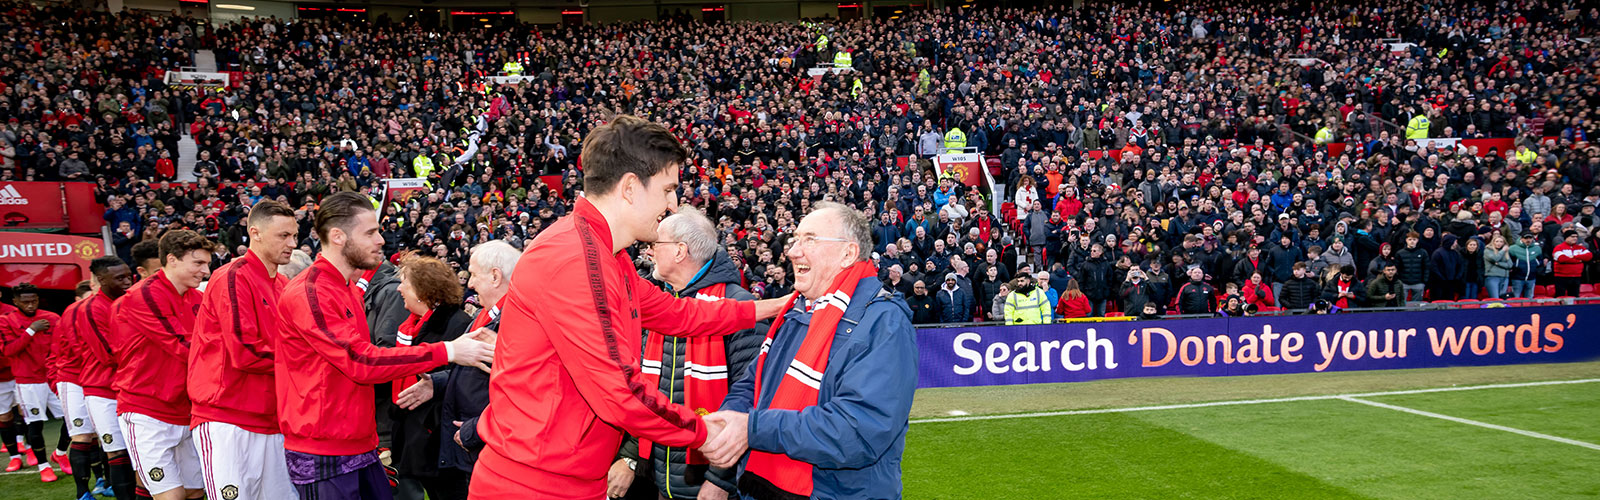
(726, 438)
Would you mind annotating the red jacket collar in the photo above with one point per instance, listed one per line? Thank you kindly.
(589, 215)
(253, 263)
(162, 281)
(330, 269)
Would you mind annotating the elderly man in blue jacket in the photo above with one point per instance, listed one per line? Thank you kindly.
(823, 412)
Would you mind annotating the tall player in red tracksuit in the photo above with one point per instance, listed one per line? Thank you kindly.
(151, 340)
(326, 365)
(566, 384)
(100, 367)
(27, 337)
(235, 416)
(68, 362)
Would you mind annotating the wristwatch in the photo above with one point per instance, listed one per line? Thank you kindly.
(633, 465)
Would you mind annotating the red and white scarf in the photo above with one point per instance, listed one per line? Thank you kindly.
(705, 371)
(802, 381)
(406, 337)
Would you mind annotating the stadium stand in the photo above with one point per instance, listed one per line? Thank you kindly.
(1155, 138)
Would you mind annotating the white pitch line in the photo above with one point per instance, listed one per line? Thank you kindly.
(1485, 425)
(1250, 401)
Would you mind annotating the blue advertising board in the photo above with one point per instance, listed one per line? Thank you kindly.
(1077, 352)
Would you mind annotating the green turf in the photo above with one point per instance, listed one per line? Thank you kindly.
(1383, 453)
(1563, 411)
(1089, 456)
(24, 484)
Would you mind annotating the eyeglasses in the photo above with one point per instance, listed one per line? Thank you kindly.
(811, 241)
(654, 243)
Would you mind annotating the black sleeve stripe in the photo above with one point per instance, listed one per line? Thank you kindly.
(98, 333)
(233, 298)
(166, 323)
(321, 321)
(645, 395)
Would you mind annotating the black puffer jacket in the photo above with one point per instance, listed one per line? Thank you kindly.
(1415, 265)
(1299, 293)
(678, 479)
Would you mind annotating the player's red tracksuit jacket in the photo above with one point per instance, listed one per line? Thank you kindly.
(29, 354)
(5, 364)
(151, 340)
(566, 384)
(233, 340)
(66, 356)
(326, 365)
(94, 334)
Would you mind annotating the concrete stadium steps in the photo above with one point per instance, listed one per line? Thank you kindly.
(188, 151)
(205, 60)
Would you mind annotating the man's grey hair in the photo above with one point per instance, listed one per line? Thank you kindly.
(299, 260)
(857, 227)
(497, 254)
(691, 227)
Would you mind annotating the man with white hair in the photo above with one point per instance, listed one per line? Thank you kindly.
(466, 390)
(692, 371)
(825, 411)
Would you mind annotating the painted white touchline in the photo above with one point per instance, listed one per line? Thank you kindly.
(1250, 401)
(1485, 425)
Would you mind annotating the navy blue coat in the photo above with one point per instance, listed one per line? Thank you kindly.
(855, 437)
(465, 395)
(956, 306)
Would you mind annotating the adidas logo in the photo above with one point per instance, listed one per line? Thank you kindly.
(10, 196)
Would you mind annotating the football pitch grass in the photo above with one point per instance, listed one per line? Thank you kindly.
(1502, 432)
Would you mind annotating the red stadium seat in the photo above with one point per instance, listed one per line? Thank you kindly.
(994, 166)
(1544, 291)
(1113, 314)
(1585, 289)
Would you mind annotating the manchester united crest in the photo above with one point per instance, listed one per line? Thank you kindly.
(230, 492)
(156, 474)
(77, 422)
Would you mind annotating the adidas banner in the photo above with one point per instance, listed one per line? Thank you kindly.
(32, 205)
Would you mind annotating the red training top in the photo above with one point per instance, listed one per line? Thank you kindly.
(326, 365)
(29, 354)
(233, 339)
(66, 357)
(566, 384)
(93, 331)
(151, 339)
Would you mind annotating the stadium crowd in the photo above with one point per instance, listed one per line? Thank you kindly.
(1205, 124)
(1154, 161)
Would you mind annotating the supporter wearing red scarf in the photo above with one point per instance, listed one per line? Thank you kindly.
(825, 412)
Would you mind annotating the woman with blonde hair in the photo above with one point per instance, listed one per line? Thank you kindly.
(1496, 266)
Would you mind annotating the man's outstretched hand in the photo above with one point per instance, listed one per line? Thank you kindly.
(472, 350)
(729, 446)
(771, 308)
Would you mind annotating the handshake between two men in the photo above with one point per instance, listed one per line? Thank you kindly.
(727, 438)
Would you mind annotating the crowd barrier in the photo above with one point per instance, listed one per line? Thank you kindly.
(1106, 348)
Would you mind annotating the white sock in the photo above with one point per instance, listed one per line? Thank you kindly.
(43, 466)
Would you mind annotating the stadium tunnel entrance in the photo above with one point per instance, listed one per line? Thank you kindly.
(55, 263)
